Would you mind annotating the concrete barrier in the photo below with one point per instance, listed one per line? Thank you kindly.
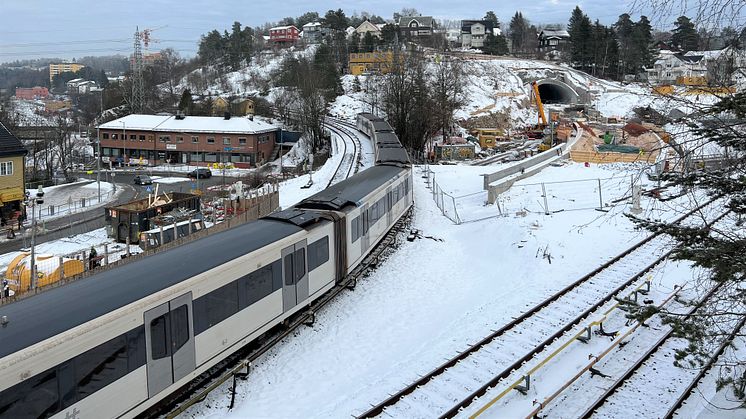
(500, 181)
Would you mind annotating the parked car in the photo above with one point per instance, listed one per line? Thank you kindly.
(200, 173)
(143, 180)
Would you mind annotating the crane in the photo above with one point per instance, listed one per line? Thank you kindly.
(539, 105)
(145, 35)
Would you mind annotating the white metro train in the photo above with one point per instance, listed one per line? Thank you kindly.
(117, 342)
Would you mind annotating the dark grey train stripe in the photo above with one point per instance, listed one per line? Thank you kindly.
(353, 190)
(50, 313)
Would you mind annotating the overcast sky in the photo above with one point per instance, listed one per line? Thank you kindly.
(75, 28)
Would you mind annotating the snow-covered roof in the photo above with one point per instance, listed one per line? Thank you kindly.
(279, 28)
(206, 124)
(312, 25)
(549, 33)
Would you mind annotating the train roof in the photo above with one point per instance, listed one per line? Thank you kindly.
(350, 192)
(386, 137)
(39, 317)
(369, 116)
(381, 126)
(392, 155)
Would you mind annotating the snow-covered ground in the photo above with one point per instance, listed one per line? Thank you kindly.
(428, 300)
(68, 198)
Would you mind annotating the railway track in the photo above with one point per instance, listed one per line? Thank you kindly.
(349, 164)
(656, 360)
(457, 382)
(237, 366)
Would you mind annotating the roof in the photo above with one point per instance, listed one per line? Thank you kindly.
(206, 124)
(366, 26)
(10, 145)
(279, 28)
(692, 59)
(351, 191)
(559, 33)
(42, 316)
(467, 24)
(312, 24)
(426, 21)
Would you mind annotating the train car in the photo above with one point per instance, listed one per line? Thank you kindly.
(117, 342)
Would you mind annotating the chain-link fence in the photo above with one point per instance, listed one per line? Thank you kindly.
(72, 206)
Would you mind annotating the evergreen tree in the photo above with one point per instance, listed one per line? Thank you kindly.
(685, 36)
(495, 45)
(186, 104)
(492, 17)
(518, 29)
(337, 20)
(580, 30)
(642, 41)
(369, 42)
(627, 51)
(354, 43)
(307, 17)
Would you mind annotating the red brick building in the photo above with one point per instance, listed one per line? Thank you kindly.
(30, 93)
(194, 140)
(284, 34)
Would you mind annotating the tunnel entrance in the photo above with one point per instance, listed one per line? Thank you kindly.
(556, 93)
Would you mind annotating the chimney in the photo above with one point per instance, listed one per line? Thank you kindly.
(227, 116)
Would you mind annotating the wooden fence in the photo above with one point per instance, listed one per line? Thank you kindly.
(596, 157)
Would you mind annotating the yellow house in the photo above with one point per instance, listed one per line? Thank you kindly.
(380, 62)
(242, 107)
(55, 69)
(12, 155)
(219, 106)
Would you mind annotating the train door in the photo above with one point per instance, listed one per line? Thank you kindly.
(169, 340)
(364, 239)
(389, 206)
(294, 275)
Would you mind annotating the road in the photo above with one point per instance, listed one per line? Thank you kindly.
(85, 221)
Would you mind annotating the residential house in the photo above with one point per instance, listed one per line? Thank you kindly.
(378, 62)
(312, 32)
(30, 93)
(367, 27)
(195, 140)
(220, 106)
(284, 35)
(59, 68)
(415, 26)
(722, 65)
(242, 107)
(81, 86)
(12, 181)
(671, 66)
(453, 36)
(553, 42)
(473, 32)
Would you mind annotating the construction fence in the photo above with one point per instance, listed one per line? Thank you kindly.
(541, 198)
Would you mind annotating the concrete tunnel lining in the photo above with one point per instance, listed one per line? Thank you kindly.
(555, 91)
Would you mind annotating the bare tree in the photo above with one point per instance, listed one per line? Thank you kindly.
(447, 89)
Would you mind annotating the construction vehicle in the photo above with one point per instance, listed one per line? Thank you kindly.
(548, 136)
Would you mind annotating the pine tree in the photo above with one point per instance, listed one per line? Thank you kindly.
(580, 30)
(627, 52)
(685, 36)
(518, 27)
(186, 104)
(642, 41)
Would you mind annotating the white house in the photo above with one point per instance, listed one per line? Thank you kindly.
(367, 27)
(670, 66)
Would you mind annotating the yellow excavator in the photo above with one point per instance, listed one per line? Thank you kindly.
(547, 143)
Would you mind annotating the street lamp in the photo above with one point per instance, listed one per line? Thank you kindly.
(33, 203)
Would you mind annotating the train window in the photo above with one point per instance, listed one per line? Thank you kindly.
(276, 275)
(318, 253)
(214, 307)
(67, 386)
(355, 229)
(288, 261)
(179, 326)
(159, 337)
(101, 366)
(255, 286)
(300, 264)
(136, 348)
(35, 397)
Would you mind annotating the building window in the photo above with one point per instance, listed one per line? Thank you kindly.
(106, 136)
(210, 140)
(263, 138)
(179, 139)
(6, 168)
(114, 136)
(133, 137)
(195, 140)
(226, 141)
(142, 138)
(242, 141)
(164, 138)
